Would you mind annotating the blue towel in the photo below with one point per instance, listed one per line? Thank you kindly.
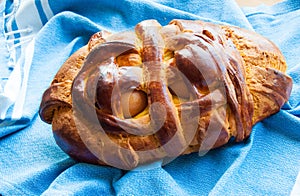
(37, 36)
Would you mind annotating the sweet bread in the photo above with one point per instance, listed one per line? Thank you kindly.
(157, 92)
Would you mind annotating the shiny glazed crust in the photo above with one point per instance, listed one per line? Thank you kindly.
(213, 82)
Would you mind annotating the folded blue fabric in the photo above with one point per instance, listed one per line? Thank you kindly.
(38, 36)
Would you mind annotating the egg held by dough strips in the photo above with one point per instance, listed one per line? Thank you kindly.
(158, 92)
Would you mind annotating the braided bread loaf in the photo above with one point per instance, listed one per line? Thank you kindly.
(157, 92)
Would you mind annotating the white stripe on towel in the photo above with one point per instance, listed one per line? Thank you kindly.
(47, 10)
(26, 17)
(296, 188)
(28, 55)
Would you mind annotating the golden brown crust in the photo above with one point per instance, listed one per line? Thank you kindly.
(265, 66)
(255, 49)
(59, 92)
(212, 83)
